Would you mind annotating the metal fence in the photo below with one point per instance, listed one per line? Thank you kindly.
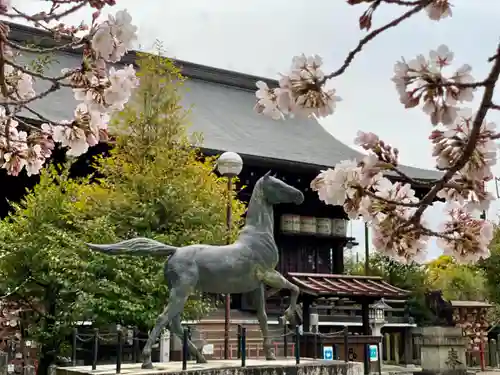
(96, 339)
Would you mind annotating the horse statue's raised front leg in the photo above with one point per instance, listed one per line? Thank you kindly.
(276, 280)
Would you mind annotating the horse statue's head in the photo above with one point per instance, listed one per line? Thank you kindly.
(276, 191)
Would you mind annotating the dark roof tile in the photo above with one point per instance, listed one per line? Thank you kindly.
(222, 109)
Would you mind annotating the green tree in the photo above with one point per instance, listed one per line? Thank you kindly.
(153, 184)
(44, 263)
(491, 268)
(156, 185)
(411, 277)
(457, 281)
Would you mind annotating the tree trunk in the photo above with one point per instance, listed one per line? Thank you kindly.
(50, 348)
(47, 358)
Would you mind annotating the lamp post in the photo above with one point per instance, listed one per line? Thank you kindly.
(377, 321)
(377, 316)
(229, 165)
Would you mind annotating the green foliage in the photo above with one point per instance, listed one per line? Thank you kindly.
(457, 281)
(154, 184)
(411, 277)
(491, 268)
(44, 259)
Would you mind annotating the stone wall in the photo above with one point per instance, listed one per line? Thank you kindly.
(443, 351)
(279, 367)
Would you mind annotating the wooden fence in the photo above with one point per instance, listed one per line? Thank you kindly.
(491, 352)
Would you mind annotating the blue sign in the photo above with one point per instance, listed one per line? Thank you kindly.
(328, 352)
(373, 353)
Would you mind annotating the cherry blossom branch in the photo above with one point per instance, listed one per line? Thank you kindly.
(372, 35)
(99, 91)
(463, 144)
(40, 116)
(42, 76)
(21, 102)
(402, 2)
(485, 104)
(44, 17)
(385, 200)
(419, 183)
(44, 50)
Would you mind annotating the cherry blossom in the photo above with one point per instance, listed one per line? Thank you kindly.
(439, 9)
(464, 236)
(367, 140)
(301, 91)
(471, 194)
(101, 92)
(450, 142)
(423, 80)
(112, 38)
(374, 187)
(5, 6)
(410, 245)
(267, 102)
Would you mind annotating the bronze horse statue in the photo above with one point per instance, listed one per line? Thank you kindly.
(246, 266)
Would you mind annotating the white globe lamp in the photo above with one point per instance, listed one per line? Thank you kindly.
(230, 164)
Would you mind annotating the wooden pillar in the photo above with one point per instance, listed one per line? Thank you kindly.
(408, 346)
(306, 312)
(365, 318)
(306, 343)
(397, 341)
(387, 340)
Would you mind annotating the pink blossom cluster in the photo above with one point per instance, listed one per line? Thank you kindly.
(423, 81)
(374, 188)
(301, 91)
(100, 91)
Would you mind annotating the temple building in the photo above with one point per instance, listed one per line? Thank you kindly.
(311, 237)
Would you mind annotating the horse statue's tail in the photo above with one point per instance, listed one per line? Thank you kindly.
(135, 246)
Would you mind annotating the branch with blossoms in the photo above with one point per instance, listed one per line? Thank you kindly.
(375, 188)
(100, 90)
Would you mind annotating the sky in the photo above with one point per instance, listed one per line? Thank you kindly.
(261, 36)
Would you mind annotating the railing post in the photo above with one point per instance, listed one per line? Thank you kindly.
(481, 356)
(185, 348)
(119, 349)
(297, 344)
(315, 343)
(136, 345)
(4, 365)
(238, 352)
(95, 349)
(285, 338)
(74, 341)
(243, 346)
(346, 344)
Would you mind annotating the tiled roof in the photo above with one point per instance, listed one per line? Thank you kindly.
(346, 285)
(222, 110)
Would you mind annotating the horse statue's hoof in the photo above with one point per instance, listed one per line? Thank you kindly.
(147, 365)
(201, 360)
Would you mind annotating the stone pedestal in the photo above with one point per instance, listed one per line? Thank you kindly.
(443, 351)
